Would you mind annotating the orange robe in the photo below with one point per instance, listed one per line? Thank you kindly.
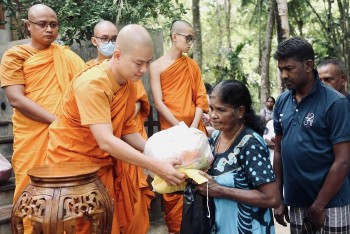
(137, 220)
(95, 97)
(90, 62)
(45, 75)
(183, 90)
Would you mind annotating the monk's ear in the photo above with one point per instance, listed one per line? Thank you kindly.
(173, 36)
(116, 53)
(27, 24)
(94, 41)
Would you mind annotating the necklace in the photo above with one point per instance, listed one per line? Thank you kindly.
(231, 141)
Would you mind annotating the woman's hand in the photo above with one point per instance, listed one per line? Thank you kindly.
(214, 189)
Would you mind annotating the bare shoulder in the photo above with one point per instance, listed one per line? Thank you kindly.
(161, 64)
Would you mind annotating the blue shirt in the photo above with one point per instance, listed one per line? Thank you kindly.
(310, 128)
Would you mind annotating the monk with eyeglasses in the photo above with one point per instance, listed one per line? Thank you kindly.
(179, 95)
(34, 77)
(105, 35)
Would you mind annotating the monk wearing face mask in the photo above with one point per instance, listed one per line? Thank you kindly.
(105, 35)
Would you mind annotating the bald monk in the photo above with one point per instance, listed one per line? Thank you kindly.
(179, 95)
(136, 219)
(100, 127)
(34, 77)
(105, 35)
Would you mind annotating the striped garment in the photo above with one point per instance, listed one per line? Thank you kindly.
(337, 221)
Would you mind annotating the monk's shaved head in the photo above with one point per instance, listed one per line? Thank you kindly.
(101, 26)
(38, 10)
(178, 26)
(133, 36)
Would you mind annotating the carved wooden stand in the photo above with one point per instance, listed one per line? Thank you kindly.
(59, 194)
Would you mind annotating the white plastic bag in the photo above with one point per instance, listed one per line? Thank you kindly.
(190, 145)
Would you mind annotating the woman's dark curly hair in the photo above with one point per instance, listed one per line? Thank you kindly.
(235, 94)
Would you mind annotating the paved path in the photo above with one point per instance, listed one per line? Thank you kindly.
(159, 227)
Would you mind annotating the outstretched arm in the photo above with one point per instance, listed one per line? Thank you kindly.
(265, 195)
(158, 97)
(17, 99)
(103, 133)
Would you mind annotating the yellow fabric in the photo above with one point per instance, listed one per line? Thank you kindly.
(183, 90)
(95, 98)
(160, 185)
(90, 62)
(45, 75)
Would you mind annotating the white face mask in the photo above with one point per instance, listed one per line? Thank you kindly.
(106, 49)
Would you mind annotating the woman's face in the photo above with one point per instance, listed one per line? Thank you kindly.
(222, 116)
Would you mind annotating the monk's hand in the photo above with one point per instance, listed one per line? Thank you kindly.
(168, 173)
(316, 216)
(281, 214)
(214, 189)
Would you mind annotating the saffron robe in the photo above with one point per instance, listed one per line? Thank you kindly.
(137, 220)
(90, 62)
(95, 97)
(45, 75)
(183, 90)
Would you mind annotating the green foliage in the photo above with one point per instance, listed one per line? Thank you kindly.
(78, 17)
(233, 70)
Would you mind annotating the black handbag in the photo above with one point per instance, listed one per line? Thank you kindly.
(195, 212)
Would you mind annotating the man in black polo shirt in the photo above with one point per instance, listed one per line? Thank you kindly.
(312, 145)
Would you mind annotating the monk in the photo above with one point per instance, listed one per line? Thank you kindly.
(136, 219)
(97, 122)
(105, 35)
(179, 95)
(34, 77)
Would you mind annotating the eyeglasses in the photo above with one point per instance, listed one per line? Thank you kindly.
(189, 38)
(106, 40)
(44, 24)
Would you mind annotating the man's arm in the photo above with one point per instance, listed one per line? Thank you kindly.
(135, 140)
(117, 148)
(17, 99)
(158, 97)
(281, 213)
(334, 180)
(197, 117)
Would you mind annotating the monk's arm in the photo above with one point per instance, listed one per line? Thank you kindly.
(117, 148)
(158, 97)
(137, 108)
(197, 117)
(17, 99)
(135, 140)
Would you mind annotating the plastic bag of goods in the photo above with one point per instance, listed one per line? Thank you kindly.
(190, 145)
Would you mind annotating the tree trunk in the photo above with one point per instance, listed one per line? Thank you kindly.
(282, 27)
(283, 15)
(265, 61)
(197, 45)
(228, 22)
(344, 24)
